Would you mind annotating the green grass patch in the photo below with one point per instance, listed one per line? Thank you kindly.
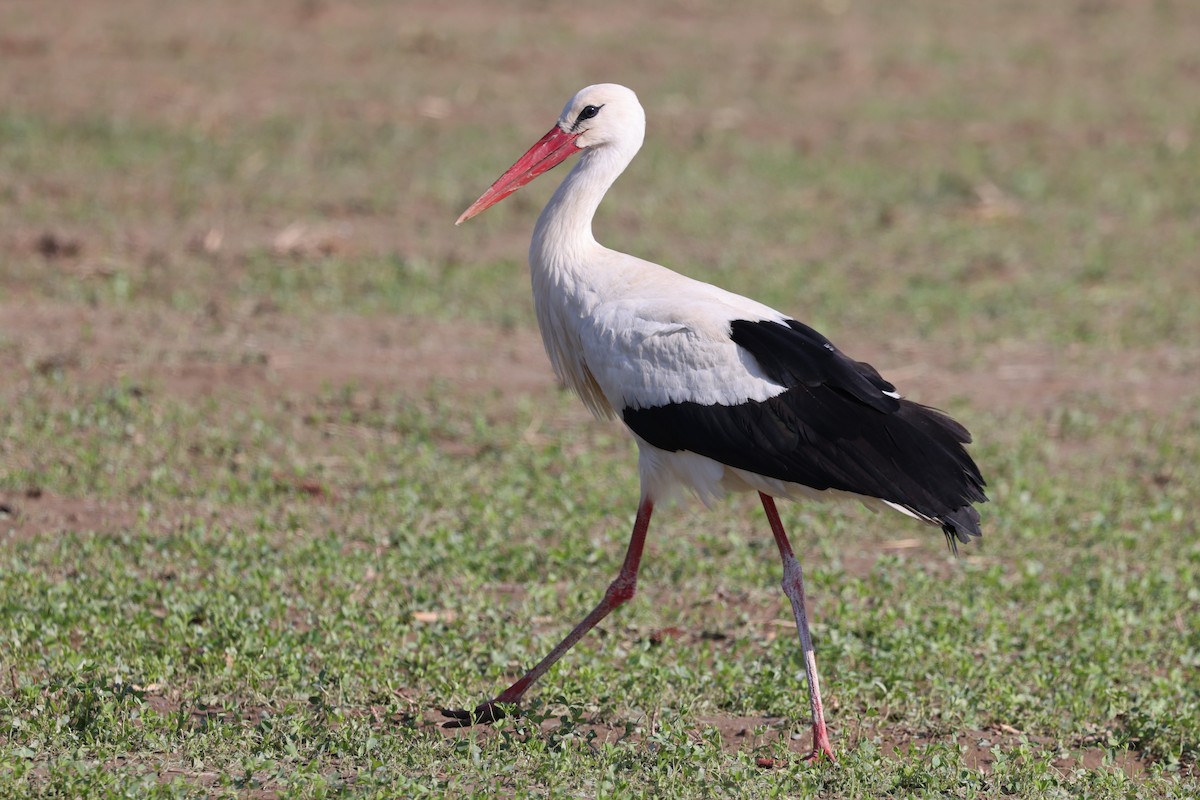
(308, 645)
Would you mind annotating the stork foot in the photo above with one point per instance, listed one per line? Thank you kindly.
(483, 714)
(817, 754)
(821, 746)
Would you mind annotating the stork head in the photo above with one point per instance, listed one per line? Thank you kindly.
(606, 116)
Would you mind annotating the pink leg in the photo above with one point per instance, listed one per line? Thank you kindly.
(793, 587)
(619, 591)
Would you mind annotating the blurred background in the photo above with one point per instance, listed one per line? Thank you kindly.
(1034, 163)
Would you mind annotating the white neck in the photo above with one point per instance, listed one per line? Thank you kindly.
(563, 234)
(566, 266)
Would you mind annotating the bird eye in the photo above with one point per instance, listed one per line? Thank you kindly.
(587, 113)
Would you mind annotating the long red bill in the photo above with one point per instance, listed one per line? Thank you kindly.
(550, 151)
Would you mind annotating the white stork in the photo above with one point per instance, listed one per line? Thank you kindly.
(720, 392)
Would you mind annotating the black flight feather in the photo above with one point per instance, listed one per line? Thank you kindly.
(834, 427)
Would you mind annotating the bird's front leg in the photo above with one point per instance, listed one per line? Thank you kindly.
(619, 591)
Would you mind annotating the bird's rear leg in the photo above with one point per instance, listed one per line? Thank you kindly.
(793, 587)
(619, 592)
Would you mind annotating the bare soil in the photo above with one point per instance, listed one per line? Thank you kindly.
(187, 355)
(268, 355)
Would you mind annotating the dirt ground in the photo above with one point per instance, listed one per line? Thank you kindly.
(193, 68)
(264, 352)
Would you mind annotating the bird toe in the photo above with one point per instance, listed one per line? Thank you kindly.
(483, 714)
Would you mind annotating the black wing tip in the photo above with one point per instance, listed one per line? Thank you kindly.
(961, 525)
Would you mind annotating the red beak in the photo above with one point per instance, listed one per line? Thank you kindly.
(550, 151)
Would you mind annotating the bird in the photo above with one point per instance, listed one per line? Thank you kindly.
(721, 393)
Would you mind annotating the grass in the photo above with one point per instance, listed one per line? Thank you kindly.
(302, 647)
(245, 584)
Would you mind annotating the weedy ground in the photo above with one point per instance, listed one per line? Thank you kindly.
(283, 471)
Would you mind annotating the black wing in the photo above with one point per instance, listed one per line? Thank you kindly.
(838, 425)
